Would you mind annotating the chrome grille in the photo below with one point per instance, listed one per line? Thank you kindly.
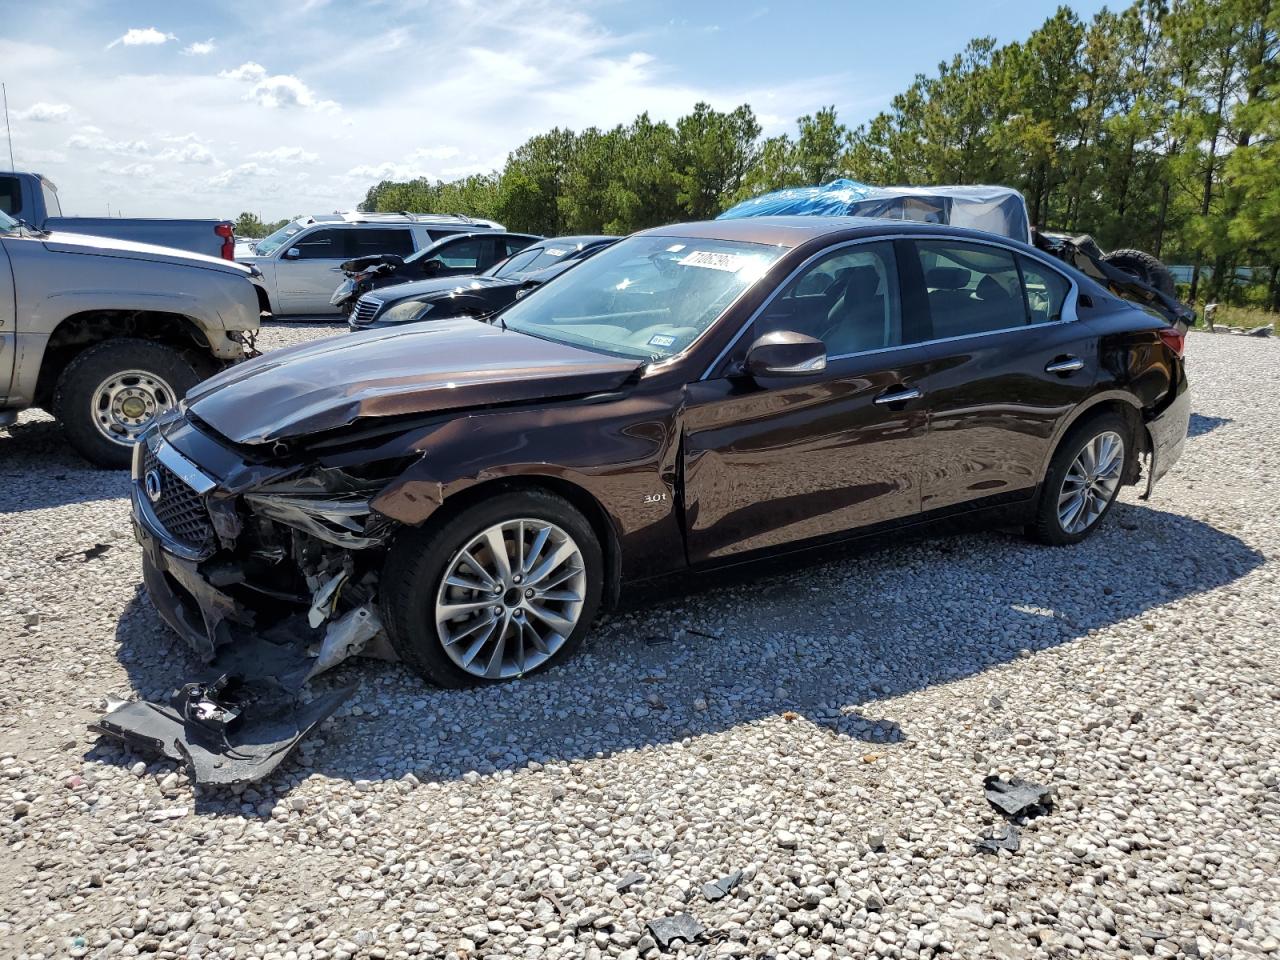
(180, 510)
(365, 309)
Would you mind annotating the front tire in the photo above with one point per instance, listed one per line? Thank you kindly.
(1083, 481)
(503, 589)
(114, 390)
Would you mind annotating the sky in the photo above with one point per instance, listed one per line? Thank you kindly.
(284, 107)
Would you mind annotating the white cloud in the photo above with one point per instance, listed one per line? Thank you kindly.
(242, 174)
(200, 48)
(92, 138)
(137, 169)
(286, 155)
(142, 37)
(277, 91)
(44, 113)
(186, 153)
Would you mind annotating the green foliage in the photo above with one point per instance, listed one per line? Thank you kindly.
(249, 225)
(1156, 127)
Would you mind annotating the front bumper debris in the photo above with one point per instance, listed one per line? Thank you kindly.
(241, 716)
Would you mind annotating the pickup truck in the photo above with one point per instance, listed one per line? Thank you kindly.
(107, 334)
(33, 199)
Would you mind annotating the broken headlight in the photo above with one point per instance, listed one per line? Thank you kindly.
(331, 505)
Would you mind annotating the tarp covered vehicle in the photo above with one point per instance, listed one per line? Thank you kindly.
(1130, 274)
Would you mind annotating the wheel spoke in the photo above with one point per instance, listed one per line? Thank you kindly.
(477, 567)
(535, 549)
(558, 556)
(553, 620)
(466, 583)
(498, 551)
(477, 645)
(448, 611)
(468, 630)
(560, 596)
(493, 670)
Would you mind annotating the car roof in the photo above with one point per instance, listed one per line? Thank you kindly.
(792, 231)
(356, 218)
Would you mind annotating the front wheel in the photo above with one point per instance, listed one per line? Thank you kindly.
(108, 395)
(1082, 482)
(503, 589)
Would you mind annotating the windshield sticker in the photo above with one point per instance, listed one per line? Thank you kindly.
(661, 340)
(709, 259)
(675, 248)
(556, 251)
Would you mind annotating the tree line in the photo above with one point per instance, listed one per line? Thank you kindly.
(1156, 127)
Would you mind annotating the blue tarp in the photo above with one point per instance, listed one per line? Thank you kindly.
(998, 210)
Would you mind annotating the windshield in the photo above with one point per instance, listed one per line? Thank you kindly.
(535, 258)
(277, 239)
(646, 296)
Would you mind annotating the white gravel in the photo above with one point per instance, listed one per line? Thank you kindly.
(829, 739)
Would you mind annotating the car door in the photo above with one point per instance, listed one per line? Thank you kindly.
(306, 279)
(1010, 362)
(779, 461)
(8, 323)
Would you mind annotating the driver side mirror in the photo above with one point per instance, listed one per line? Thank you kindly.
(432, 267)
(293, 253)
(785, 354)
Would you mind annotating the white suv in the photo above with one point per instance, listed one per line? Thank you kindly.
(301, 262)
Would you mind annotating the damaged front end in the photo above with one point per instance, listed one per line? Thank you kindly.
(269, 572)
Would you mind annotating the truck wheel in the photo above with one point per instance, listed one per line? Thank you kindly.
(503, 589)
(1145, 267)
(113, 391)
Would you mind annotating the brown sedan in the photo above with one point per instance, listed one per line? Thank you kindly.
(695, 395)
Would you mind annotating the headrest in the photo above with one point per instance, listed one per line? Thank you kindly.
(862, 283)
(947, 278)
(989, 288)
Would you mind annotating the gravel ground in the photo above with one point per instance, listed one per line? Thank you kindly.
(825, 730)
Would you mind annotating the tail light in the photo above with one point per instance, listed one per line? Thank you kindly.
(1174, 339)
(228, 234)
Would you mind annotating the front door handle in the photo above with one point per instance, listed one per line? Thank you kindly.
(900, 395)
(1067, 364)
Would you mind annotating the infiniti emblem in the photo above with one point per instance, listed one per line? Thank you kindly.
(152, 482)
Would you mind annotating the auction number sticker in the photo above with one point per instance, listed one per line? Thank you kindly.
(710, 260)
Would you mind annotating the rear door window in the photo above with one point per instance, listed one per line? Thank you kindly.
(52, 208)
(465, 254)
(971, 288)
(1047, 291)
(364, 242)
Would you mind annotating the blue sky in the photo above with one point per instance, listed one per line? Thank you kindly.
(296, 106)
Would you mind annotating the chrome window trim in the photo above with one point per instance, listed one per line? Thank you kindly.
(1068, 305)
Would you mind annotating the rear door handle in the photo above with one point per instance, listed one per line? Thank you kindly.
(1067, 364)
(900, 395)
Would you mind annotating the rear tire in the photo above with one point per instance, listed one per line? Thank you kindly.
(113, 391)
(1070, 482)
(1145, 267)
(498, 631)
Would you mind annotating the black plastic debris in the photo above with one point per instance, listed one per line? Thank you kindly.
(722, 887)
(1017, 797)
(667, 930)
(91, 553)
(999, 838)
(629, 881)
(204, 726)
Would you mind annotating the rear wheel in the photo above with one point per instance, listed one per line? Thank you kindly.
(503, 589)
(1083, 481)
(113, 391)
(1145, 267)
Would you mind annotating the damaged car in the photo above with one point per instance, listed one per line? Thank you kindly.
(467, 495)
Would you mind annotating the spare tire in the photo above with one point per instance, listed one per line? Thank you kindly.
(1145, 267)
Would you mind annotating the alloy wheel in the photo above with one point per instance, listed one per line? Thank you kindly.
(511, 598)
(125, 404)
(1091, 482)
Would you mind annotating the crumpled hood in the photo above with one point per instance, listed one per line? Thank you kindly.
(419, 368)
(83, 243)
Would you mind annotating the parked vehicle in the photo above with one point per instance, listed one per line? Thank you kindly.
(302, 261)
(33, 199)
(692, 396)
(465, 254)
(1130, 274)
(107, 335)
(476, 296)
